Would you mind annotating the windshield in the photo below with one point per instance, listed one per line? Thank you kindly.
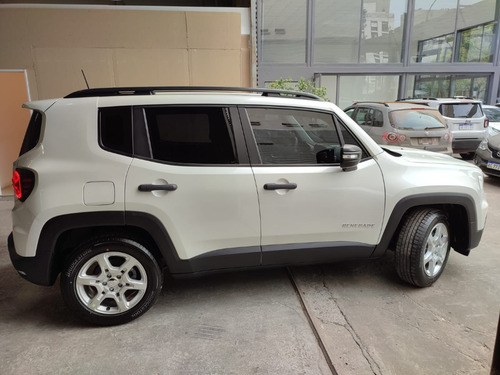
(493, 114)
(417, 119)
(462, 110)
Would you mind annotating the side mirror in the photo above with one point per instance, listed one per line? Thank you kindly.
(328, 156)
(350, 157)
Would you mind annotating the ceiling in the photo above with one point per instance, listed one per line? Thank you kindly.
(197, 3)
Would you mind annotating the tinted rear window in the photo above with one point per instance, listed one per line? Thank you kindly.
(191, 135)
(461, 110)
(32, 135)
(115, 127)
(416, 119)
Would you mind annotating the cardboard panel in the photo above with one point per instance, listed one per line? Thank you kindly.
(93, 28)
(58, 70)
(213, 30)
(122, 47)
(215, 67)
(145, 67)
(13, 124)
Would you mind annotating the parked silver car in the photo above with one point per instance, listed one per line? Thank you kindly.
(466, 120)
(487, 156)
(403, 124)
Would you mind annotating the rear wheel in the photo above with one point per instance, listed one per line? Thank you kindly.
(111, 280)
(423, 246)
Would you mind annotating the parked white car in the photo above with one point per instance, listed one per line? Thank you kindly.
(115, 186)
(492, 112)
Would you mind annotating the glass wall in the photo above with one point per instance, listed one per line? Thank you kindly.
(447, 85)
(383, 49)
(336, 31)
(475, 12)
(442, 36)
(283, 31)
(329, 82)
(433, 31)
(369, 87)
(382, 26)
(475, 44)
(338, 37)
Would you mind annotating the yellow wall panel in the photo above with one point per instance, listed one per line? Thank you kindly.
(215, 67)
(151, 67)
(58, 70)
(214, 30)
(12, 124)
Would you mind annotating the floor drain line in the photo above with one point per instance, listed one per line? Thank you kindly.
(311, 323)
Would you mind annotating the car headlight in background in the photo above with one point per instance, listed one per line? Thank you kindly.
(483, 145)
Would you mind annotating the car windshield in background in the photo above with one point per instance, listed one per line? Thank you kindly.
(493, 114)
(416, 119)
(461, 110)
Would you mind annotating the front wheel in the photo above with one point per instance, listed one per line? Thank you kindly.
(423, 246)
(111, 280)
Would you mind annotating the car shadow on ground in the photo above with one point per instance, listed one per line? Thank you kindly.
(370, 273)
(491, 180)
(26, 303)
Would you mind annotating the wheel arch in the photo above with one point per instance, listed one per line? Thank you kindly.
(459, 208)
(62, 234)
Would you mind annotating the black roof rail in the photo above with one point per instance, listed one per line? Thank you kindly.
(399, 100)
(371, 102)
(413, 101)
(117, 91)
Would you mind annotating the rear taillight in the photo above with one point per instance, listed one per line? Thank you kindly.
(393, 138)
(23, 181)
(486, 123)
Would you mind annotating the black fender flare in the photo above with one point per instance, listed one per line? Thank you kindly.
(473, 236)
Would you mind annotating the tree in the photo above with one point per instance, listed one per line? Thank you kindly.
(302, 85)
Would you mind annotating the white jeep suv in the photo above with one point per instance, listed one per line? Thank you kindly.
(115, 186)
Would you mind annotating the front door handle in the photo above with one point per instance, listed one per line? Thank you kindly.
(289, 186)
(152, 187)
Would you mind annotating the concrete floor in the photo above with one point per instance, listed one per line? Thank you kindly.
(368, 321)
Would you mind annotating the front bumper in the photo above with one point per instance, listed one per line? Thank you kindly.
(481, 160)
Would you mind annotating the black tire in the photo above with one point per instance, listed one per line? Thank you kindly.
(423, 246)
(467, 155)
(111, 280)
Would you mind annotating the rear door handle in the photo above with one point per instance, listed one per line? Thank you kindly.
(152, 187)
(290, 186)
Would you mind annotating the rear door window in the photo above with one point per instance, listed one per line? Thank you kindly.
(191, 135)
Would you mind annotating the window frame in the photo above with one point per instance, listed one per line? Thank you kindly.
(34, 132)
(253, 149)
(143, 143)
(100, 131)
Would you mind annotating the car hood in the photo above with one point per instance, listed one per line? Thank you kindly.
(420, 156)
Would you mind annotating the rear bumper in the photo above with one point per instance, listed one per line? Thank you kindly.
(465, 145)
(34, 269)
